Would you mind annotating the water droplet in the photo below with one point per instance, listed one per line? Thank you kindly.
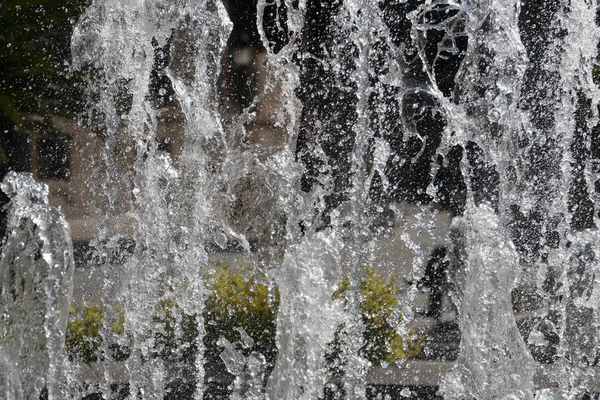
(494, 115)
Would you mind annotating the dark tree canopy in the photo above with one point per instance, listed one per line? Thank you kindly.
(35, 42)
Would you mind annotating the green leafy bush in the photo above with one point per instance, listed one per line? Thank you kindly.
(241, 305)
(83, 339)
(167, 344)
(381, 318)
(382, 340)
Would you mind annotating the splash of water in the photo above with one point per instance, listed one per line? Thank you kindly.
(36, 271)
(494, 361)
(375, 111)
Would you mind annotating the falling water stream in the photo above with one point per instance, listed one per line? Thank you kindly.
(401, 126)
(37, 273)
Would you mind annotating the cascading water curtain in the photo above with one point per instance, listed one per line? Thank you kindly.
(168, 206)
(497, 93)
(528, 225)
(480, 111)
(312, 267)
(36, 271)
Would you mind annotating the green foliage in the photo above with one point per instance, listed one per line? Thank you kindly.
(168, 345)
(34, 77)
(83, 337)
(344, 286)
(241, 301)
(235, 302)
(83, 332)
(381, 317)
(34, 38)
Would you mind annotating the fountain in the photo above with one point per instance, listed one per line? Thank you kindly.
(296, 199)
(37, 272)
